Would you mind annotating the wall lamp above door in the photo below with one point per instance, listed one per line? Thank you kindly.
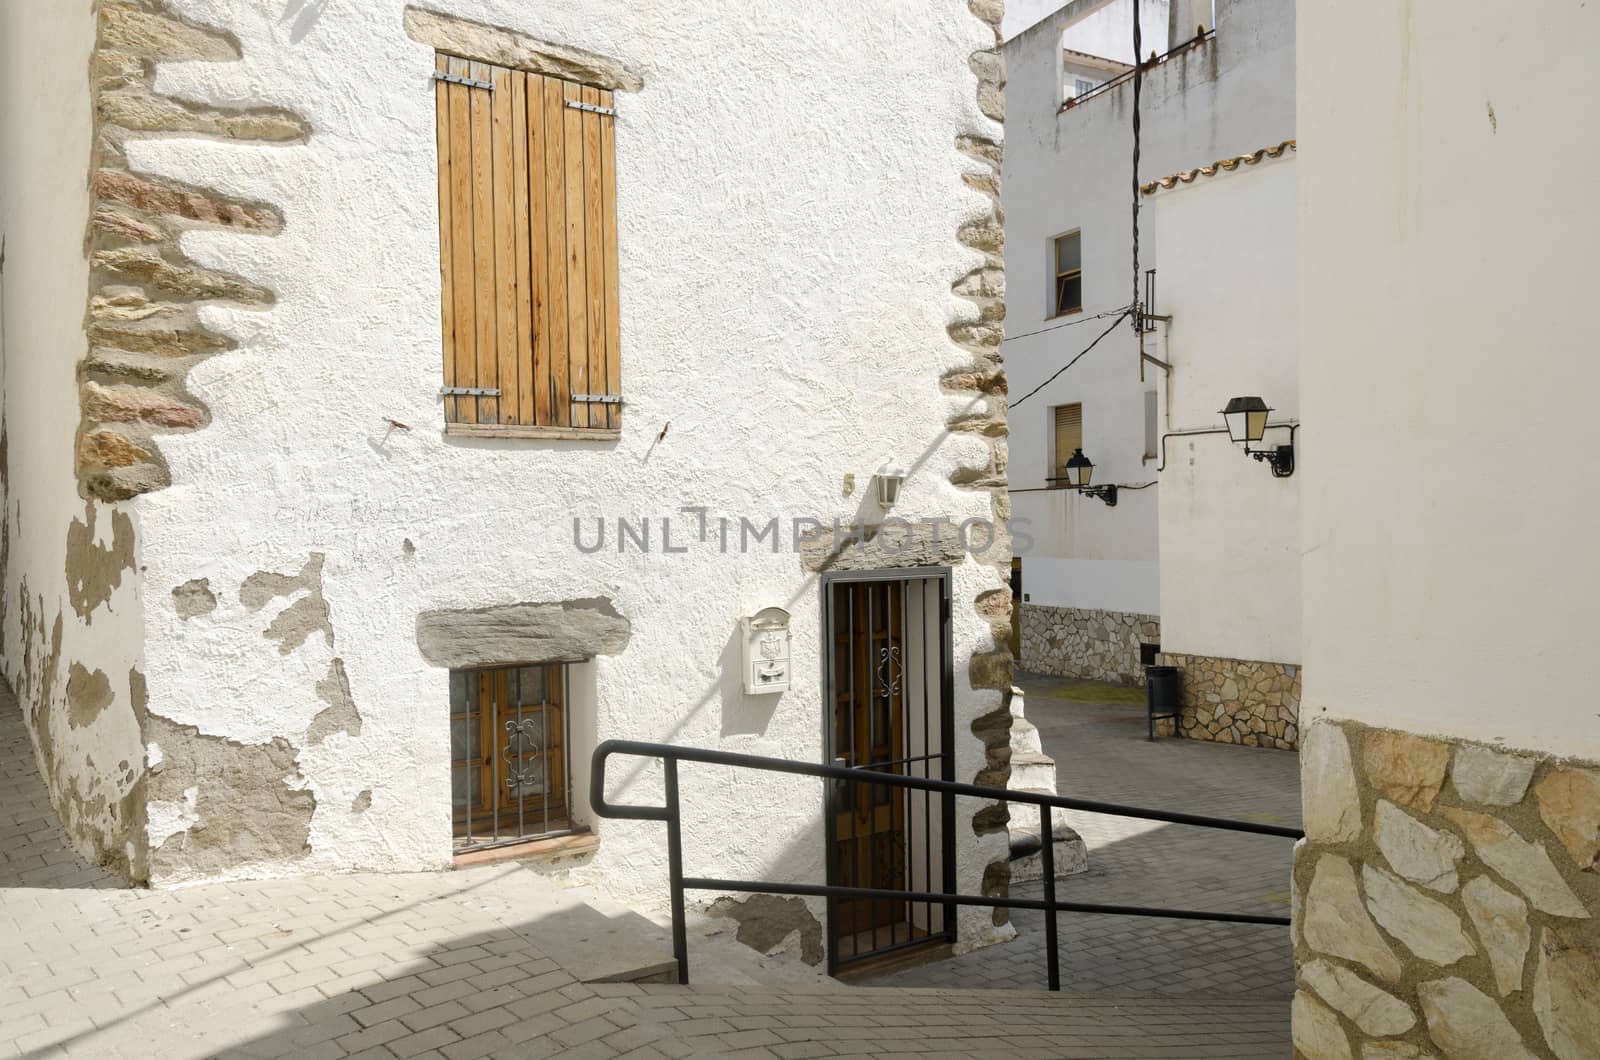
(1246, 418)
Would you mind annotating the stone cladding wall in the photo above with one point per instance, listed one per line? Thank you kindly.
(1080, 642)
(1445, 898)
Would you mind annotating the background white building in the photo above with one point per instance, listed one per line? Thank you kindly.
(1090, 574)
(297, 443)
(1229, 525)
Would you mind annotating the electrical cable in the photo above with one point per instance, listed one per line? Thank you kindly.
(1071, 323)
(1138, 83)
(1120, 317)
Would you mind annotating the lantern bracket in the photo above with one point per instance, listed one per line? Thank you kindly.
(1279, 457)
(1104, 493)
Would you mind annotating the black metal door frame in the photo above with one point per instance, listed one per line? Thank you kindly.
(931, 577)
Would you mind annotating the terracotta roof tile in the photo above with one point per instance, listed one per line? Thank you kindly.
(1189, 176)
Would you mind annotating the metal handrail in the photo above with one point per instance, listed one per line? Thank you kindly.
(669, 814)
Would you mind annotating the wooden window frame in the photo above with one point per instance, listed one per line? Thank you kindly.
(1061, 277)
(529, 305)
(492, 803)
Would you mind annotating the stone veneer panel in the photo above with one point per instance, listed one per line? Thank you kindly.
(1080, 642)
(1241, 701)
(1498, 943)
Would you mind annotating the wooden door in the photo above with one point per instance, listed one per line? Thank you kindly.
(869, 731)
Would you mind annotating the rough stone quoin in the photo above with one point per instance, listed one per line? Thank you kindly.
(144, 330)
(982, 382)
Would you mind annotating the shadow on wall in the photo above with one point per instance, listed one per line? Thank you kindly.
(302, 15)
(34, 851)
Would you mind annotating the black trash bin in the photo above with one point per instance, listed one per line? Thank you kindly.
(1161, 695)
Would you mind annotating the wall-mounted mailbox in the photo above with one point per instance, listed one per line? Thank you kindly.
(766, 651)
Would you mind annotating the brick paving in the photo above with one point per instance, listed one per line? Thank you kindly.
(448, 965)
(1101, 753)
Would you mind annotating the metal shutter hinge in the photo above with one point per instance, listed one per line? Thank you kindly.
(468, 391)
(577, 104)
(455, 79)
(596, 399)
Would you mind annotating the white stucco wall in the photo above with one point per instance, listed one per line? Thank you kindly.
(1230, 558)
(1108, 32)
(787, 218)
(1068, 171)
(44, 209)
(1448, 529)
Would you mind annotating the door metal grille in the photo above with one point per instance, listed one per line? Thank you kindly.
(888, 686)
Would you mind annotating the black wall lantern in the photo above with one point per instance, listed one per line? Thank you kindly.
(1080, 471)
(1246, 418)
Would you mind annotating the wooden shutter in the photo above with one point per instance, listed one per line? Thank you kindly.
(1069, 436)
(527, 252)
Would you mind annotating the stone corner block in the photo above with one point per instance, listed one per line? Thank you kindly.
(1332, 806)
(1406, 769)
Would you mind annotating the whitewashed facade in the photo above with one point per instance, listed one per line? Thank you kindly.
(1229, 526)
(235, 520)
(1092, 583)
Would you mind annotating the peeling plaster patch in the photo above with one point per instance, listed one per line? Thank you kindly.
(507, 47)
(93, 572)
(88, 693)
(341, 714)
(194, 597)
(138, 696)
(166, 818)
(766, 920)
(43, 683)
(362, 802)
(249, 806)
(560, 631)
(297, 622)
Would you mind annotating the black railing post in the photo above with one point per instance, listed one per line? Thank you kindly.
(680, 934)
(1047, 860)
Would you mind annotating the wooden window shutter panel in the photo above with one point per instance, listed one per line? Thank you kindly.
(576, 258)
(555, 175)
(528, 249)
(608, 221)
(457, 239)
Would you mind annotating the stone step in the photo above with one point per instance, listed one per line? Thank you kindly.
(1025, 738)
(1017, 702)
(1071, 857)
(1025, 816)
(597, 940)
(1033, 771)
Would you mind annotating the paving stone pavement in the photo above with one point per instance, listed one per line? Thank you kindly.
(1101, 753)
(448, 965)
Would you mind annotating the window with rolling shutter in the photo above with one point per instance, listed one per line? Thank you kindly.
(527, 253)
(1069, 436)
